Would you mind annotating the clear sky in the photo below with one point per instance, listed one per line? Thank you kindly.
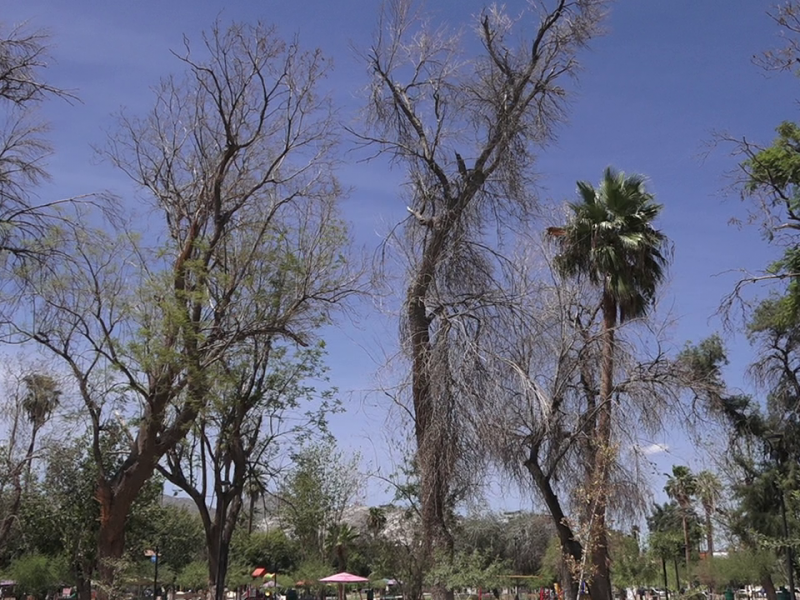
(654, 89)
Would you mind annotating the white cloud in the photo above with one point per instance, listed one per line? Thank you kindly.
(653, 449)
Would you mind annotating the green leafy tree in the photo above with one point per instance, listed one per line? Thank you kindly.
(37, 575)
(175, 531)
(33, 396)
(273, 550)
(474, 569)
(193, 576)
(340, 541)
(610, 240)
(666, 540)
(41, 398)
(315, 494)
(632, 568)
(261, 397)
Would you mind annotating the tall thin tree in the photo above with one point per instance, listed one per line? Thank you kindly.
(681, 486)
(466, 131)
(610, 240)
(708, 489)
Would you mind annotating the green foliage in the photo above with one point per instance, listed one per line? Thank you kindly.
(705, 360)
(611, 241)
(193, 576)
(340, 540)
(631, 568)
(776, 168)
(773, 176)
(520, 538)
(272, 550)
(474, 569)
(739, 568)
(36, 574)
(665, 522)
(315, 494)
(178, 534)
(681, 485)
(551, 562)
(312, 570)
(61, 517)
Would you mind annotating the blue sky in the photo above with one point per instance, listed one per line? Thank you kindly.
(653, 91)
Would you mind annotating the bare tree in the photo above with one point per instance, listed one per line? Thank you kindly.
(25, 224)
(466, 131)
(540, 407)
(235, 157)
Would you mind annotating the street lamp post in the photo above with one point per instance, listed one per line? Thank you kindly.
(153, 554)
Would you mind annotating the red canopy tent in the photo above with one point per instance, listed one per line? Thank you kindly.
(341, 579)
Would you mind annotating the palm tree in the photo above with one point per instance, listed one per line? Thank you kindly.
(681, 486)
(610, 240)
(341, 539)
(708, 490)
(40, 400)
(376, 520)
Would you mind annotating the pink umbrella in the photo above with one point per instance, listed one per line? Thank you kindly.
(341, 579)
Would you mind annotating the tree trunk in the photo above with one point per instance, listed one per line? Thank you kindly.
(16, 497)
(569, 543)
(687, 550)
(251, 514)
(677, 577)
(433, 457)
(709, 533)
(600, 588)
(110, 548)
(213, 547)
(568, 583)
(83, 579)
(115, 499)
(29, 459)
(769, 586)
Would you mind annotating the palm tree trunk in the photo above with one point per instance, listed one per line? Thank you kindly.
(677, 577)
(29, 459)
(687, 549)
(709, 533)
(600, 588)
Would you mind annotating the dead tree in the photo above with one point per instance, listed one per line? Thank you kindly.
(466, 130)
(541, 403)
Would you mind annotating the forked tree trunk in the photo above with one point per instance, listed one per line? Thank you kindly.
(115, 499)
